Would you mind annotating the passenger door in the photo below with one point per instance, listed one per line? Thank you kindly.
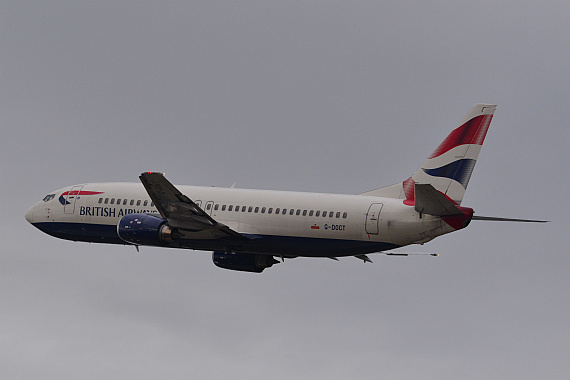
(71, 198)
(372, 218)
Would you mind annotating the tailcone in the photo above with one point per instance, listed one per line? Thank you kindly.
(459, 221)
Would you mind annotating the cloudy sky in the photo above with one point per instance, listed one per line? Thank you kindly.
(323, 96)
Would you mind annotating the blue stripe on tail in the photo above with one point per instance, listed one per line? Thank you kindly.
(459, 171)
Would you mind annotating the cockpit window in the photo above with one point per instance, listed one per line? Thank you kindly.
(49, 197)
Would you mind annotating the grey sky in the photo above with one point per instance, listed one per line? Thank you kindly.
(312, 96)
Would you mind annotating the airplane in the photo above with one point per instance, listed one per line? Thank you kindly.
(248, 229)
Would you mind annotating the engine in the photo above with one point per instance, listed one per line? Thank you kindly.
(247, 262)
(143, 229)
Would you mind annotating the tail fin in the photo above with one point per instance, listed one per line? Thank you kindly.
(448, 169)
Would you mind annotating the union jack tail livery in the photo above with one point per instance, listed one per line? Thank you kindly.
(448, 169)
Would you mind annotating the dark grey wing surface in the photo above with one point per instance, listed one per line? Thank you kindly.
(182, 213)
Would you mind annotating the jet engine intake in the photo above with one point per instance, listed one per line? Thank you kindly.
(144, 229)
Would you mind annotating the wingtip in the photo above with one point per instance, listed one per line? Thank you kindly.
(149, 173)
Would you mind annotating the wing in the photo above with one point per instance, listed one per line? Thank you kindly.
(180, 212)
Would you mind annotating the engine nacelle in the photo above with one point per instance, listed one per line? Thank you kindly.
(247, 262)
(143, 229)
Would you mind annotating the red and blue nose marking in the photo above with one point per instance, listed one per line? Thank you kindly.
(63, 197)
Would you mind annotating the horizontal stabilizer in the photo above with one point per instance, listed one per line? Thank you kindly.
(495, 219)
(430, 201)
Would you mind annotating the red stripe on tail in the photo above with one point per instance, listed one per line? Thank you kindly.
(472, 132)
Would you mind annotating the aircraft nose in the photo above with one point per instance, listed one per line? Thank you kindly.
(30, 215)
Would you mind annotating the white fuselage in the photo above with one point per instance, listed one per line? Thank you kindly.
(280, 222)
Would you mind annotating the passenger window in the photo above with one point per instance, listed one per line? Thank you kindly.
(344, 215)
(250, 209)
(311, 213)
(125, 202)
(230, 207)
(277, 210)
(338, 214)
(318, 213)
(208, 206)
(112, 201)
(151, 204)
(119, 201)
(284, 211)
(256, 209)
(298, 212)
(263, 210)
(331, 214)
(216, 207)
(223, 207)
(291, 211)
(304, 212)
(106, 200)
(324, 214)
(132, 202)
(145, 203)
(100, 200)
(138, 202)
(198, 203)
(270, 210)
(242, 208)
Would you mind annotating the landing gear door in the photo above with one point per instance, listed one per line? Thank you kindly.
(372, 218)
(71, 198)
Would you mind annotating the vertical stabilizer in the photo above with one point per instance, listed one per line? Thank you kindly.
(448, 169)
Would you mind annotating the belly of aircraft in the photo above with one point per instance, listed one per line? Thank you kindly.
(289, 246)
